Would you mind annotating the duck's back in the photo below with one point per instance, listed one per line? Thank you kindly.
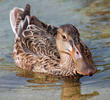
(35, 48)
(38, 41)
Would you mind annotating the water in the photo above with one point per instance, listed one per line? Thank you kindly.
(92, 18)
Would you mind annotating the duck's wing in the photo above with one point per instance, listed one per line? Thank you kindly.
(38, 41)
(49, 28)
(35, 48)
(42, 47)
(33, 35)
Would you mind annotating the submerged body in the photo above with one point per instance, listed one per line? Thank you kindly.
(43, 48)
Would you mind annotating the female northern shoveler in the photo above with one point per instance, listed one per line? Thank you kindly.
(43, 48)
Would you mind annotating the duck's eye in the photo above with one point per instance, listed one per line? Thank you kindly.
(64, 37)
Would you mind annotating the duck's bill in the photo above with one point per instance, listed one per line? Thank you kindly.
(82, 65)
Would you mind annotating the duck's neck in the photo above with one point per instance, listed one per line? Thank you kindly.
(66, 61)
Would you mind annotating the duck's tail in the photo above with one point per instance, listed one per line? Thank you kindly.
(19, 19)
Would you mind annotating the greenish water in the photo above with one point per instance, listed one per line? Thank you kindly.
(92, 18)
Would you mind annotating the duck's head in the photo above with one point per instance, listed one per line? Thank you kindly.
(68, 42)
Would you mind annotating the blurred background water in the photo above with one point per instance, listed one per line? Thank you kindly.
(92, 18)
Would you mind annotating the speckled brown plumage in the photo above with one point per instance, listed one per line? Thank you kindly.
(36, 48)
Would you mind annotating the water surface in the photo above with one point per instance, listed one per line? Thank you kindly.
(92, 18)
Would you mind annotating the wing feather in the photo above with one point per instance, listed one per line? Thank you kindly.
(39, 42)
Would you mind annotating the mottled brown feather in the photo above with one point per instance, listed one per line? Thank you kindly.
(35, 46)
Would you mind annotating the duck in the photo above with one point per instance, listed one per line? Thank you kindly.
(47, 49)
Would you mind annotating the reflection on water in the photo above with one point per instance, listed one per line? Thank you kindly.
(71, 89)
(92, 18)
(36, 78)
